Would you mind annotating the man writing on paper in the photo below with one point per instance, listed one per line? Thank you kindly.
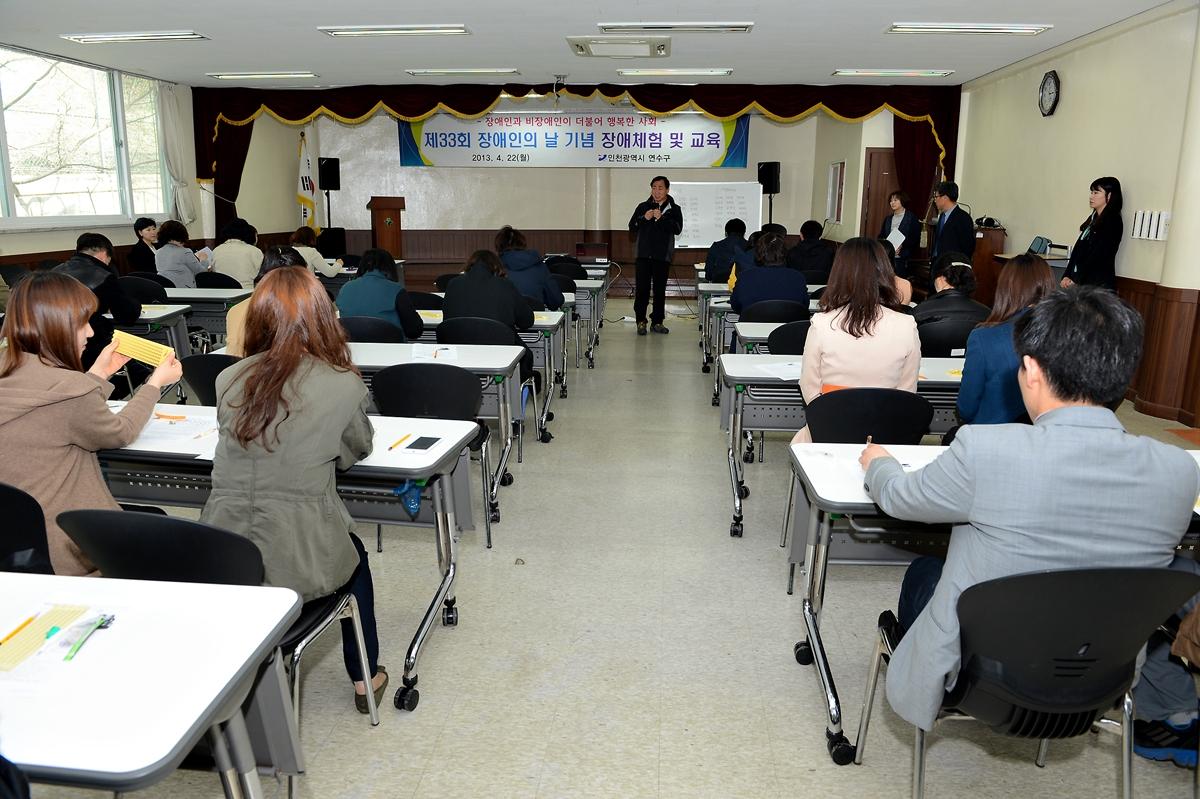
(1071, 491)
(657, 222)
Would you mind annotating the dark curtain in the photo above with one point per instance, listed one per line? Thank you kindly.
(916, 159)
(221, 147)
(222, 164)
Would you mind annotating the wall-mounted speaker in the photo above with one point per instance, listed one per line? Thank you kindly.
(329, 174)
(768, 176)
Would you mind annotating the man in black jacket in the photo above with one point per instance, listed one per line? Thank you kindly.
(955, 231)
(811, 256)
(90, 266)
(722, 254)
(657, 222)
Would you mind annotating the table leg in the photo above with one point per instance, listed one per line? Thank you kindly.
(242, 753)
(718, 347)
(549, 349)
(705, 356)
(503, 386)
(562, 334)
(735, 461)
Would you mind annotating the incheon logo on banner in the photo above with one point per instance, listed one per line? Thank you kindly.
(561, 140)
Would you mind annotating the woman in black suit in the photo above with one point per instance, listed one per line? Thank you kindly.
(1094, 257)
(907, 223)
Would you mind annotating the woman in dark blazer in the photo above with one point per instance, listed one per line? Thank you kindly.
(1094, 257)
(908, 224)
(483, 290)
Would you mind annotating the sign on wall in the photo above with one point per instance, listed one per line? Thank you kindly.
(575, 139)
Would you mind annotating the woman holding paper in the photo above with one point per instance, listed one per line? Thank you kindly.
(53, 415)
(290, 414)
(902, 228)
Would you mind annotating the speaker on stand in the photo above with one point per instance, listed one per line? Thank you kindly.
(329, 178)
(768, 176)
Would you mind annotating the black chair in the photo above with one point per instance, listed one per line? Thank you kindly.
(477, 330)
(144, 546)
(350, 261)
(425, 301)
(946, 338)
(217, 280)
(438, 391)
(442, 281)
(200, 372)
(161, 280)
(888, 415)
(774, 311)
(23, 546)
(815, 294)
(14, 274)
(560, 265)
(567, 286)
(1045, 655)
(143, 289)
(788, 338)
(372, 328)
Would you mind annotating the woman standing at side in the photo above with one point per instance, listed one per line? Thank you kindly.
(907, 223)
(1094, 257)
(290, 414)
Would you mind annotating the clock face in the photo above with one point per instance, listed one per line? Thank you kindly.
(1048, 93)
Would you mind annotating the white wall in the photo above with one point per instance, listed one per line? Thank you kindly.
(838, 141)
(267, 195)
(1121, 114)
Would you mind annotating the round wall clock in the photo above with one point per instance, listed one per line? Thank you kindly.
(1048, 93)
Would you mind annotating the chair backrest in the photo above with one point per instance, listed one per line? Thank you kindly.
(788, 339)
(144, 290)
(147, 546)
(216, 280)
(161, 280)
(565, 284)
(475, 330)
(349, 261)
(200, 372)
(774, 311)
(23, 545)
(888, 415)
(1039, 246)
(946, 338)
(1045, 653)
(14, 274)
(442, 281)
(427, 390)
(372, 328)
(535, 304)
(558, 265)
(425, 300)
(815, 294)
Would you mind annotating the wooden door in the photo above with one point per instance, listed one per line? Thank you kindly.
(879, 180)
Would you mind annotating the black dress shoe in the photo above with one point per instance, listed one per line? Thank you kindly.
(641, 327)
(659, 327)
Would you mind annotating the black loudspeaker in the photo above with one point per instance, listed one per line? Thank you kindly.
(332, 242)
(329, 174)
(768, 176)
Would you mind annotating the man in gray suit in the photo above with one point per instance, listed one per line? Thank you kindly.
(1072, 490)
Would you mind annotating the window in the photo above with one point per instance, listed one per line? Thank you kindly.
(837, 188)
(78, 145)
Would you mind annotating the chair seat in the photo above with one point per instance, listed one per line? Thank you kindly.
(311, 615)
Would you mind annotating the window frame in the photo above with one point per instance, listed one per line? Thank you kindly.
(11, 223)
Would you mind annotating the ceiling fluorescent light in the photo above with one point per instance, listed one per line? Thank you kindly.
(642, 73)
(419, 73)
(675, 27)
(141, 36)
(969, 28)
(394, 30)
(261, 75)
(892, 73)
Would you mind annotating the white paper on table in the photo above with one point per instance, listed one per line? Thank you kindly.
(192, 435)
(896, 238)
(789, 370)
(434, 352)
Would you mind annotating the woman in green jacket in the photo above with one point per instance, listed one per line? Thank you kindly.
(290, 414)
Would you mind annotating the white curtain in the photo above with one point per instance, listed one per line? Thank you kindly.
(176, 125)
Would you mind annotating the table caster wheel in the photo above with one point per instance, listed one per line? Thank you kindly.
(407, 695)
(748, 456)
(716, 401)
(700, 343)
(599, 325)
(450, 616)
(591, 363)
(495, 517)
(840, 749)
(735, 530)
(557, 377)
(706, 368)
(562, 394)
(506, 479)
(549, 416)
(743, 491)
(803, 652)
(545, 437)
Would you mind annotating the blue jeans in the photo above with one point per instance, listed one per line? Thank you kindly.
(920, 580)
(1165, 686)
(364, 594)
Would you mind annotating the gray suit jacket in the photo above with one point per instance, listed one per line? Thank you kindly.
(1072, 491)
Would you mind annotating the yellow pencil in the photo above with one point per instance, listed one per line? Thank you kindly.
(406, 437)
(20, 627)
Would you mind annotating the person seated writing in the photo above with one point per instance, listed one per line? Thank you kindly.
(290, 414)
(953, 280)
(379, 291)
(53, 414)
(770, 279)
(1073, 490)
(724, 253)
(526, 270)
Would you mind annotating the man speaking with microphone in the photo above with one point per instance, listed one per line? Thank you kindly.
(657, 222)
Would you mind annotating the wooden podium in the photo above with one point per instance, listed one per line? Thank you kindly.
(385, 224)
(989, 242)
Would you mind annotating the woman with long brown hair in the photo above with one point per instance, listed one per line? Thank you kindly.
(291, 413)
(53, 415)
(859, 339)
(989, 393)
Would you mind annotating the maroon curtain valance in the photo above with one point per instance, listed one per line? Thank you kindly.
(220, 157)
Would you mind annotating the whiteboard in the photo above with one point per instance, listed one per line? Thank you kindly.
(708, 206)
